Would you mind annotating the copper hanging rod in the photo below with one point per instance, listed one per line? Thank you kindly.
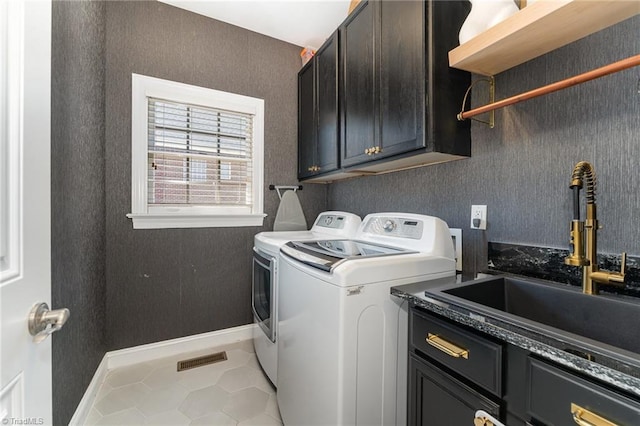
(623, 64)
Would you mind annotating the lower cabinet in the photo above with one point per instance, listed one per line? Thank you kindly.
(455, 370)
(438, 399)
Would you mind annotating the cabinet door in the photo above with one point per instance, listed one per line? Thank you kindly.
(436, 399)
(402, 76)
(359, 104)
(306, 121)
(326, 63)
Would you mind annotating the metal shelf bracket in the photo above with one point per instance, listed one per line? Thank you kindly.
(614, 67)
(492, 98)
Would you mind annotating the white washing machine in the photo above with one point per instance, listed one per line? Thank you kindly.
(342, 342)
(264, 301)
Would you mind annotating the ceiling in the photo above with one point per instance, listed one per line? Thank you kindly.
(306, 23)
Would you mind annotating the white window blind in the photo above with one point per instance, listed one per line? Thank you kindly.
(198, 155)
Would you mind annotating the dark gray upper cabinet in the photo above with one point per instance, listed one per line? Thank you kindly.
(318, 122)
(399, 97)
(394, 100)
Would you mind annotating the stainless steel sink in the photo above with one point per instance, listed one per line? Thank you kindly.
(607, 320)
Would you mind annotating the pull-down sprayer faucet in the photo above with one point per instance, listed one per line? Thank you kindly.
(584, 251)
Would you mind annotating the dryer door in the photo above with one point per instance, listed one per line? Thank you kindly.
(263, 298)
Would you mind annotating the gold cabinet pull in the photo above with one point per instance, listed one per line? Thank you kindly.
(446, 346)
(377, 150)
(482, 421)
(584, 417)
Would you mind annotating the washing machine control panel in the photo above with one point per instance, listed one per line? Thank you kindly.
(398, 227)
(331, 221)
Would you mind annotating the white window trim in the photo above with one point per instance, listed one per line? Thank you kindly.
(147, 217)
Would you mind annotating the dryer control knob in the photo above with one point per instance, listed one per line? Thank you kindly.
(389, 226)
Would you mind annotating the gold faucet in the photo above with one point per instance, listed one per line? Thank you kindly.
(584, 251)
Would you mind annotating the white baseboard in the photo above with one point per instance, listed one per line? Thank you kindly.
(142, 353)
(83, 408)
(152, 351)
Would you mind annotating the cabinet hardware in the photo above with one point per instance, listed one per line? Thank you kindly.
(584, 417)
(446, 346)
(373, 150)
(482, 421)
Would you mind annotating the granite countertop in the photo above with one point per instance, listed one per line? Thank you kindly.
(619, 369)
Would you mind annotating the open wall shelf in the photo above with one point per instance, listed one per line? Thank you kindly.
(538, 29)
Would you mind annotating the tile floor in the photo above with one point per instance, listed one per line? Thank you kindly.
(231, 392)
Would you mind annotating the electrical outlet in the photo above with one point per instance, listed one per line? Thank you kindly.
(479, 217)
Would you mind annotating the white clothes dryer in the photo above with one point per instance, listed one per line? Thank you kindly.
(264, 289)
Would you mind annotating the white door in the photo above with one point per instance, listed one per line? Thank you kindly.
(25, 219)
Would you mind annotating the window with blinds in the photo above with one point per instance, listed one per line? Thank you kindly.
(197, 156)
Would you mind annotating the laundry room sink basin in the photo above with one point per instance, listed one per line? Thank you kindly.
(604, 319)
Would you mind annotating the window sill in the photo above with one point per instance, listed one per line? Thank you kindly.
(162, 221)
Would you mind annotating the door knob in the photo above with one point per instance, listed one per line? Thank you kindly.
(43, 322)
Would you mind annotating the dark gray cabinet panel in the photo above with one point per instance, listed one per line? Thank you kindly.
(437, 399)
(318, 121)
(551, 391)
(326, 63)
(401, 76)
(483, 362)
(359, 91)
(306, 121)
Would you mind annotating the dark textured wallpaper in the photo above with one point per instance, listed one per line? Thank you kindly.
(163, 284)
(128, 287)
(77, 198)
(521, 169)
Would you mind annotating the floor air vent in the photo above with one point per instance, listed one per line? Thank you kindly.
(201, 360)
